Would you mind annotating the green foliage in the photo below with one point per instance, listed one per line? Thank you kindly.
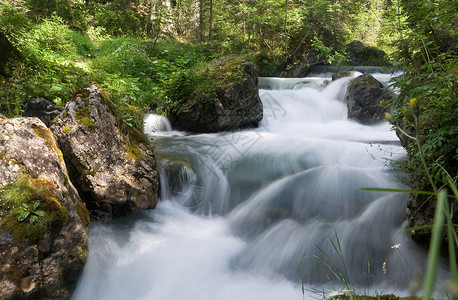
(120, 45)
(205, 83)
(333, 271)
(31, 208)
(327, 54)
(23, 212)
(49, 68)
(429, 54)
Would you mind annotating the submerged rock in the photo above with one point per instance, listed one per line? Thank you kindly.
(115, 173)
(364, 95)
(222, 97)
(43, 109)
(43, 223)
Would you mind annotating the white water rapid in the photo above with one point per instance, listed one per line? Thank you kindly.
(263, 213)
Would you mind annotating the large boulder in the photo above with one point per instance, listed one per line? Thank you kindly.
(361, 54)
(223, 96)
(115, 173)
(43, 109)
(364, 95)
(43, 223)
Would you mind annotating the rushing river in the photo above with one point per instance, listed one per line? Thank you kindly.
(265, 213)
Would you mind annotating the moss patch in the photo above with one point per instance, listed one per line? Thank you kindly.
(67, 128)
(13, 274)
(55, 119)
(82, 116)
(133, 151)
(91, 172)
(46, 134)
(82, 212)
(23, 195)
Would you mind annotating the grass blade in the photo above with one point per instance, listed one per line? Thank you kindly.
(400, 191)
(451, 245)
(434, 246)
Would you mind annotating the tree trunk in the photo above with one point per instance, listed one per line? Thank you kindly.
(211, 21)
(286, 32)
(201, 20)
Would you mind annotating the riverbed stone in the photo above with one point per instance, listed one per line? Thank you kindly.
(114, 171)
(229, 101)
(364, 95)
(41, 257)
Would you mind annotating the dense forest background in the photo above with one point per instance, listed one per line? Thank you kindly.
(137, 50)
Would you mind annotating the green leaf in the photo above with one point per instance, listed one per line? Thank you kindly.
(401, 191)
(23, 216)
(434, 247)
(40, 213)
(36, 204)
(33, 219)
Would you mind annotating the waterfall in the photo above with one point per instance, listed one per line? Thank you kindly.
(263, 213)
(155, 123)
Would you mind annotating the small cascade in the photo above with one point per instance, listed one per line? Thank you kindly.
(156, 123)
(276, 83)
(266, 212)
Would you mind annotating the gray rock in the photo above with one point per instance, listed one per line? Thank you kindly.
(342, 74)
(115, 174)
(38, 260)
(235, 106)
(43, 109)
(364, 95)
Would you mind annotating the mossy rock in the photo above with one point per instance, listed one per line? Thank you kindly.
(83, 117)
(20, 198)
(45, 134)
(220, 96)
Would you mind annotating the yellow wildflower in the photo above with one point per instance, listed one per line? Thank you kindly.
(415, 107)
(388, 117)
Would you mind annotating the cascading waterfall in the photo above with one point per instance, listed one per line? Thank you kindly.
(251, 214)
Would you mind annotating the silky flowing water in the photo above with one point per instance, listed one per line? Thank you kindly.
(267, 212)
